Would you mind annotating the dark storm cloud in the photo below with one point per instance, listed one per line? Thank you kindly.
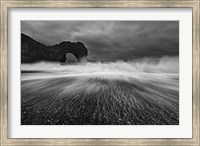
(110, 40)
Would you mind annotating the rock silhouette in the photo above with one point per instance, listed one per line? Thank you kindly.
(33, 51)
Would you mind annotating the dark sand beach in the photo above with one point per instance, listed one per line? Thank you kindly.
(99, 98)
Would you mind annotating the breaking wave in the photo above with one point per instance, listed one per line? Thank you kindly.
(147, 65)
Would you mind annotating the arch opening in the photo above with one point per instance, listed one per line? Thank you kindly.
(70, 58)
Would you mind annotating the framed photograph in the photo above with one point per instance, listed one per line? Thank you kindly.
(100, 72)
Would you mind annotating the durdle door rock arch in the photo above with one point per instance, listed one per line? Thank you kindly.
(33, 51)
(78, 49)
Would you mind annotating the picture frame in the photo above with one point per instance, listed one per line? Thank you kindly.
(195, 5)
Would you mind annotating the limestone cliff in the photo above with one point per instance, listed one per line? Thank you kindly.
(33, 51)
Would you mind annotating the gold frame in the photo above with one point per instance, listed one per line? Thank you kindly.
(6, 4)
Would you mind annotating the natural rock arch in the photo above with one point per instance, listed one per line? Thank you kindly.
(33, 51)
(77, 49)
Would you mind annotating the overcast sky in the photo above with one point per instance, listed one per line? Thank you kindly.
(110, 40)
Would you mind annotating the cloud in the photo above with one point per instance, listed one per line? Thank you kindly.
(110, 40)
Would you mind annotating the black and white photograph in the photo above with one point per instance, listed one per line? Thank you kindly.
(99, 72)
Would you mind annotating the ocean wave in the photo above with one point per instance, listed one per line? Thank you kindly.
(147, 65)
